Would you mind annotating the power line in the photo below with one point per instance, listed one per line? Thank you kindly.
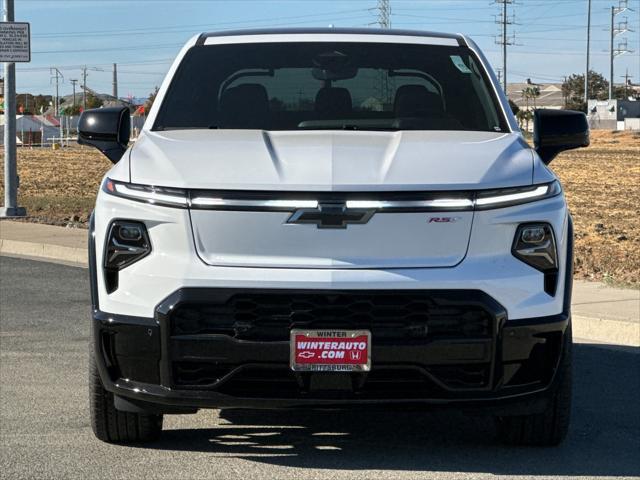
(191, 27)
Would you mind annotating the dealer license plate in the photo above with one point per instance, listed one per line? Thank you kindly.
(331, 350)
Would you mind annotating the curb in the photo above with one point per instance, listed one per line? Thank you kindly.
(44, 251)
(603, 330)
(617, 332)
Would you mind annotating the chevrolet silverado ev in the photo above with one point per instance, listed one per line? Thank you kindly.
(326, 218)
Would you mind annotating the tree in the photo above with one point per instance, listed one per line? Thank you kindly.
(27, 101)
(72, 110)
(530, 93)
(524, 117)
(93, 101)
(149, 103)
(573, 90)
(31, 103)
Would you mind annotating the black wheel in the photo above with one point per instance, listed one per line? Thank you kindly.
(550, 427)
(113, 426)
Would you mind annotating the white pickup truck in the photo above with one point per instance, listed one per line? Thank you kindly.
(327, 217)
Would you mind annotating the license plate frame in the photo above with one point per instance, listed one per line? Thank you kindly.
(350, 364)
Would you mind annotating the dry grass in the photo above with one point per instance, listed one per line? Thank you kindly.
(58, 187)
(601, 184)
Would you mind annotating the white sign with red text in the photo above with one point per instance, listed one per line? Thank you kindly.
(331, 350)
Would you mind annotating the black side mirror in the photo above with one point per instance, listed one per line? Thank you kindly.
(107, 129)
(557, 130)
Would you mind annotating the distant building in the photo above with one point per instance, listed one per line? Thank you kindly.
(614, 114)
(550, 95)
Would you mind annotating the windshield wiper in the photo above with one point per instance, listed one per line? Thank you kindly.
(348, 126)
(161, 128)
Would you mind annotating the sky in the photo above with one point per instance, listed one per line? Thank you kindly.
(143, 36)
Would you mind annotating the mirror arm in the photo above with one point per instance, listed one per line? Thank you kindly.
(113, 151)
(114, 154)
(547, 154)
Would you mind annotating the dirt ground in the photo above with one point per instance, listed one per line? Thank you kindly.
(602, 184)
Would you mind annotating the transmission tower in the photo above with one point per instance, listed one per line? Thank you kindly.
(384, 13)
(619, 29)
(384, 21)
(504, 20)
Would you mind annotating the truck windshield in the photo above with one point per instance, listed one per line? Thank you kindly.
(329, 85)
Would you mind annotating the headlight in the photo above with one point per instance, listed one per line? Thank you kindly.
(127, 242)
(535, 245)
(507, 197)
(168, 197)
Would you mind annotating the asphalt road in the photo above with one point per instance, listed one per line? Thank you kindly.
(45, 432)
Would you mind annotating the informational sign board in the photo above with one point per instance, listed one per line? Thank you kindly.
(15, 42)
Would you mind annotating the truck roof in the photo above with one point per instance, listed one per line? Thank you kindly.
(461, 41)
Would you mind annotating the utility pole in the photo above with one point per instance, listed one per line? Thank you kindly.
(504, 40)
(84, 88)
(56, 75)
(73, 83)
(622, 47)
(627, 82)
(10, 208)
(115, 81)
(586, 73)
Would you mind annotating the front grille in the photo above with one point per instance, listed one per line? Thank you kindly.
(236, 342)
(399, 381)
(390, 316)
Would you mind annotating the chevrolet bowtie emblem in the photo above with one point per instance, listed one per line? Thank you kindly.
(331, 215)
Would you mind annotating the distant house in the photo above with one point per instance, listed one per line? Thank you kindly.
(550, 95)
(31, 129)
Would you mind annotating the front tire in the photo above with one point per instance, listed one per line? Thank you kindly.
(550, 427)
(112, 425)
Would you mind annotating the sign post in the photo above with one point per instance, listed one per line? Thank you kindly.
(15, 46)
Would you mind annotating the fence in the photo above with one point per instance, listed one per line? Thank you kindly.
(45, 130)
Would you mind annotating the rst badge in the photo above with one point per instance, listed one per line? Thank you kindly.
(444, 219)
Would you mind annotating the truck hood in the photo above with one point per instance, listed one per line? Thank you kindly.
(331, 160)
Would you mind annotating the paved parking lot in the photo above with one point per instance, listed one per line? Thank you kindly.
(45, 433)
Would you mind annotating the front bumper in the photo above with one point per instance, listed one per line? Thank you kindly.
(209, 348)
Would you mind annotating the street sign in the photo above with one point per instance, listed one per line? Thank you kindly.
(15, 42)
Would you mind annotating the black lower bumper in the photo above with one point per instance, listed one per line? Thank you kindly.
(209, 348)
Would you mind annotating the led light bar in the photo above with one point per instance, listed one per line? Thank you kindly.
(168, 197)
(516, 196)
(266, 204)
(218, 200)
(439, 203)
